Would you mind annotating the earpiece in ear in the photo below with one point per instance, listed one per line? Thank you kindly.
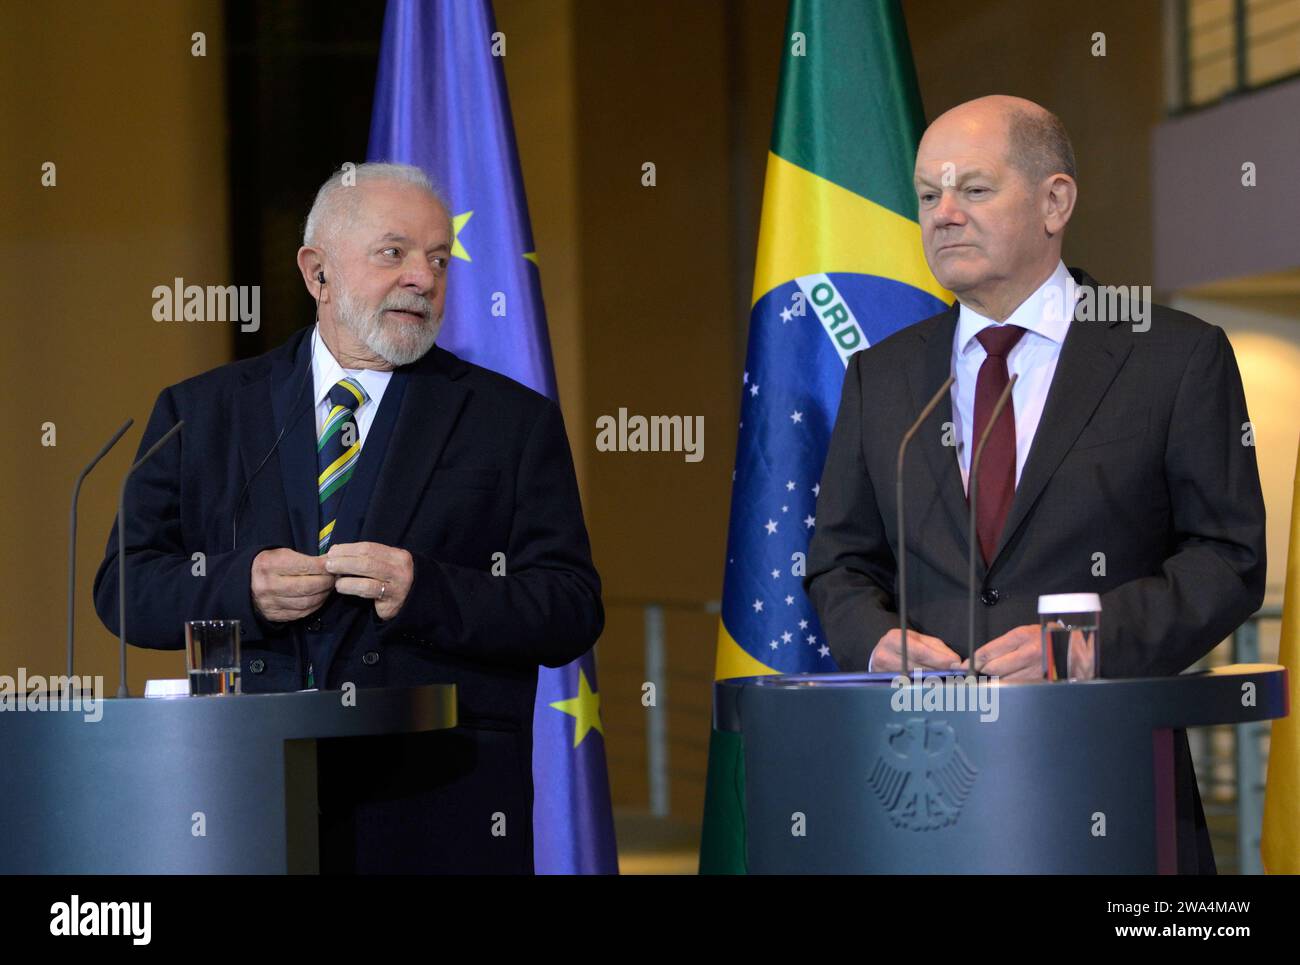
(320, 277)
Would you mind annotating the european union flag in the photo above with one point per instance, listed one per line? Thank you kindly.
(441, 104)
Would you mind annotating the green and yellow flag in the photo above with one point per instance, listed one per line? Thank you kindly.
(1281, 843)
(839, 267)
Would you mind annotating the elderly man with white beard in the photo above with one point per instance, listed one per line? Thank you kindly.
(349, 493)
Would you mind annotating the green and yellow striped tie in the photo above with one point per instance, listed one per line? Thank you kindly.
(337, 452)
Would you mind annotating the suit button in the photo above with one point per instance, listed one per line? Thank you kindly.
(370, 658)
(257, 666)
(314, 625)
(989, 597)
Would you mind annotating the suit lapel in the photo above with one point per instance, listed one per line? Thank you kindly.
(256, 436)
(925, 374)
(1089, 361)
(431, 405)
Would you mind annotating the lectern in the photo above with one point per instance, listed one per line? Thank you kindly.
(210, 785)
(847, 773)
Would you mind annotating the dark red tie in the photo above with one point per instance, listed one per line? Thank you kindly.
(997, 482)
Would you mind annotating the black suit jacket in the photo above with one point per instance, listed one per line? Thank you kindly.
(460, 464)
(1138, 455)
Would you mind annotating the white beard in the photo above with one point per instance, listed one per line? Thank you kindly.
(397, 343)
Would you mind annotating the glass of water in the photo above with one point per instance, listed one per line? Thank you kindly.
(212, 656)
(1070, 624)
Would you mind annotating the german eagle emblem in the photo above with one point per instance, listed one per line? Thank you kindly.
(921, 776)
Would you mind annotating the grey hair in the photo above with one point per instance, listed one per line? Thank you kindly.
(1038, 145)
(335, 206)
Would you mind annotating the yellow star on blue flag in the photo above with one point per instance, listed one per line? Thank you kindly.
(457, 223)
(584, 708)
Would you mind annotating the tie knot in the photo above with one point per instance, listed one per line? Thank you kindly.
(998, 340)
(348, 393)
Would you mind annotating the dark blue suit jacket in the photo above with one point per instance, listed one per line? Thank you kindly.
(459, 464)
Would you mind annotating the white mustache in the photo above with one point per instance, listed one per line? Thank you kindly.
(414, 304)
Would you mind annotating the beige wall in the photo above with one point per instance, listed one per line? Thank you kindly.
(135, 125)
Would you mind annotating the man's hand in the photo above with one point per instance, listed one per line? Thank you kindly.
(287, 585)
(372, 570)
(926, 653)
(1016, 655)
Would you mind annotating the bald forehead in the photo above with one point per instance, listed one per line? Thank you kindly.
(993, 131)
(973, 150)
(961, 131)
(980, 127)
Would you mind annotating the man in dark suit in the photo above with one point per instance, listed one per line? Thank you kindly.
(1124, 464)
(375, 511)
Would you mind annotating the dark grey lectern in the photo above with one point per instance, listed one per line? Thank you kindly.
(846, 773)
(181, 785)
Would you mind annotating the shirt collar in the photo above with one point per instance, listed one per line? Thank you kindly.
(1040, 313)
(326, 372)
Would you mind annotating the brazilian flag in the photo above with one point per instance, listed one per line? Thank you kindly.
(839, 267)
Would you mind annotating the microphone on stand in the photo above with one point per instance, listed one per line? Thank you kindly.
(1001, 404)
(121, 556)
(72, 534)
(898, 497)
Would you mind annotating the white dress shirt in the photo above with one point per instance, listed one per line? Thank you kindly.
(1033, 358)
(1046, 320)
(326, 373)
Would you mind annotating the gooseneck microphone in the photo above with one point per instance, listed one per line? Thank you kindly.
(974, 540)
(121, 556)
(898, 498)
(72, 532)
